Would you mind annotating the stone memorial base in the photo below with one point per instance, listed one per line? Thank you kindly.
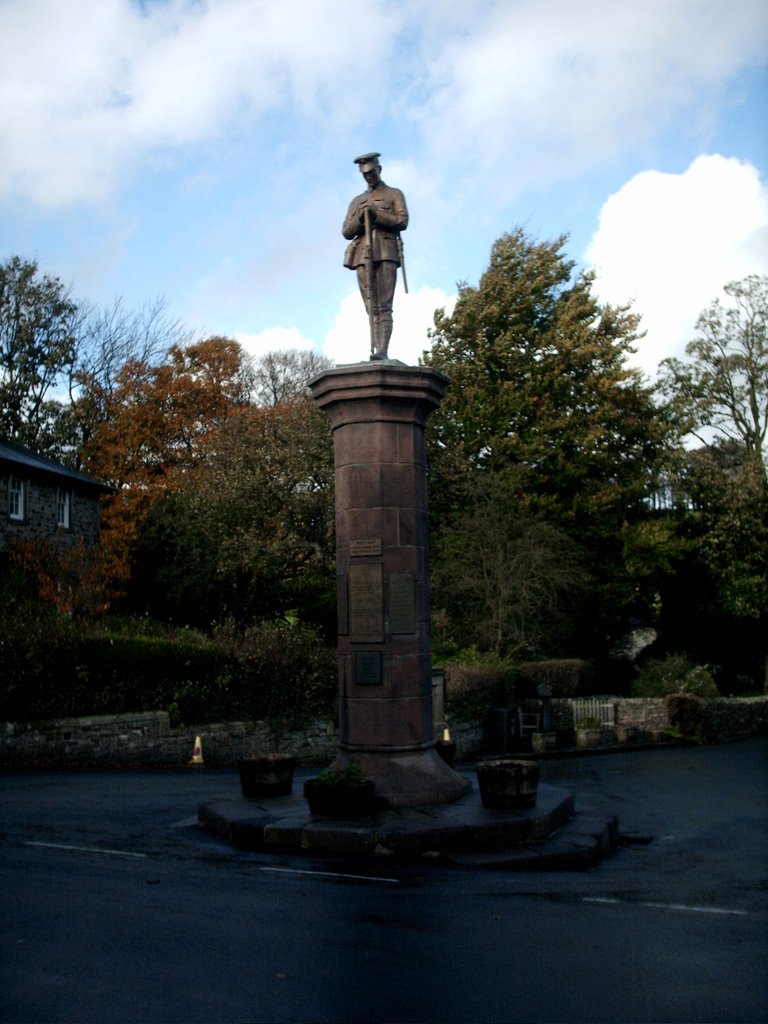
(378, 412)
(549, 836)
(407, 778)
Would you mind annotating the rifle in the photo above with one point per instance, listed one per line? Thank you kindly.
(369, 266)
(401, 257)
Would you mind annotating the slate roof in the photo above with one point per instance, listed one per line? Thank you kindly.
(16, 457)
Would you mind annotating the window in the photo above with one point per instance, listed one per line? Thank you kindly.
(64, 506)
(16, 496)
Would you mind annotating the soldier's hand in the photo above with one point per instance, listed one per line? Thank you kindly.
(366, 205)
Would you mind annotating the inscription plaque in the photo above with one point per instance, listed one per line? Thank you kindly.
(402, 603)
(368, 668)
(371, 546)
(366, 603)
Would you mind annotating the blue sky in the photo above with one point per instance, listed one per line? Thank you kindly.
(203, 152)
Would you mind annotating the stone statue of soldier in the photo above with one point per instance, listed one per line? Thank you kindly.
(373, 223)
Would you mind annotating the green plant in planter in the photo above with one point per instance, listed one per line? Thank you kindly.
(344, 793)
(349, 776)
(589, 723)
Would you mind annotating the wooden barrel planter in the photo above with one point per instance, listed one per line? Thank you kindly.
(266, 775)
(507, 783)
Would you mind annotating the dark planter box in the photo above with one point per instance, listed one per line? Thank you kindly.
(343, 800)
(268, 775)
(447, 751)
(505, 783)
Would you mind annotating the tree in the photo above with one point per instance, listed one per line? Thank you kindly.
(722, 487)
(503, 576)
(715, 605)
(283, 375)
(159, 425)
(38, 346)
(249, 533)
(724, 384)
(109, 339)
(540, 383)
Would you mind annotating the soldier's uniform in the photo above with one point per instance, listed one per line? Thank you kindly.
(390, 218)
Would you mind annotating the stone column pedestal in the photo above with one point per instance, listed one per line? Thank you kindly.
(378, 412)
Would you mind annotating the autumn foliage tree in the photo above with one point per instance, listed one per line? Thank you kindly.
(159, 423)
(249, 531)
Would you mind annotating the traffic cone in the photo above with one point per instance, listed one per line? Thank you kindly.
(197, 753)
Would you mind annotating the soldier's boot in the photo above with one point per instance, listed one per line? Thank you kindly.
(382, 332)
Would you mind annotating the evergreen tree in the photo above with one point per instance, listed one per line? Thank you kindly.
(38, 347)
(540, 385)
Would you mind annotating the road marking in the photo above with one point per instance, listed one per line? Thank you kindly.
(87, 849)
(331, 874)
(667, 906)
(186, 822)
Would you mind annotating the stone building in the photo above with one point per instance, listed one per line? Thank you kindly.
(41, 499)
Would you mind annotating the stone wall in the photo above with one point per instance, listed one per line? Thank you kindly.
(649, 714)
(147, 738)
(723, 718)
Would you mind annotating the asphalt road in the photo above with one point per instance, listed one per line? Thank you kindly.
(116, 907)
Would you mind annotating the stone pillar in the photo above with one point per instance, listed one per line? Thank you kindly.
(378, 412)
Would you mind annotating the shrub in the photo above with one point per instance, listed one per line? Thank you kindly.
(282, 671)
(37, 647)
(352, 775)
(470, 708)
(52, 666)
(674, 673)
(142, 673)
(56, 668)
(684, 713)
(567, 677)
(589, 722)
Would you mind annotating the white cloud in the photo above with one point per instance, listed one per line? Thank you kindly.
(273, 339)
(671, 241)
(553, 87)
(348, 341)
(91, 92)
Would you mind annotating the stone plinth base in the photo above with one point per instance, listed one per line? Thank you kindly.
(513, 839)
(408, 778)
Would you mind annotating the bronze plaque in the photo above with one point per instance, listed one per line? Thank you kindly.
(371, 546)
(366, 603)
(402, 603)
(368, 668)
